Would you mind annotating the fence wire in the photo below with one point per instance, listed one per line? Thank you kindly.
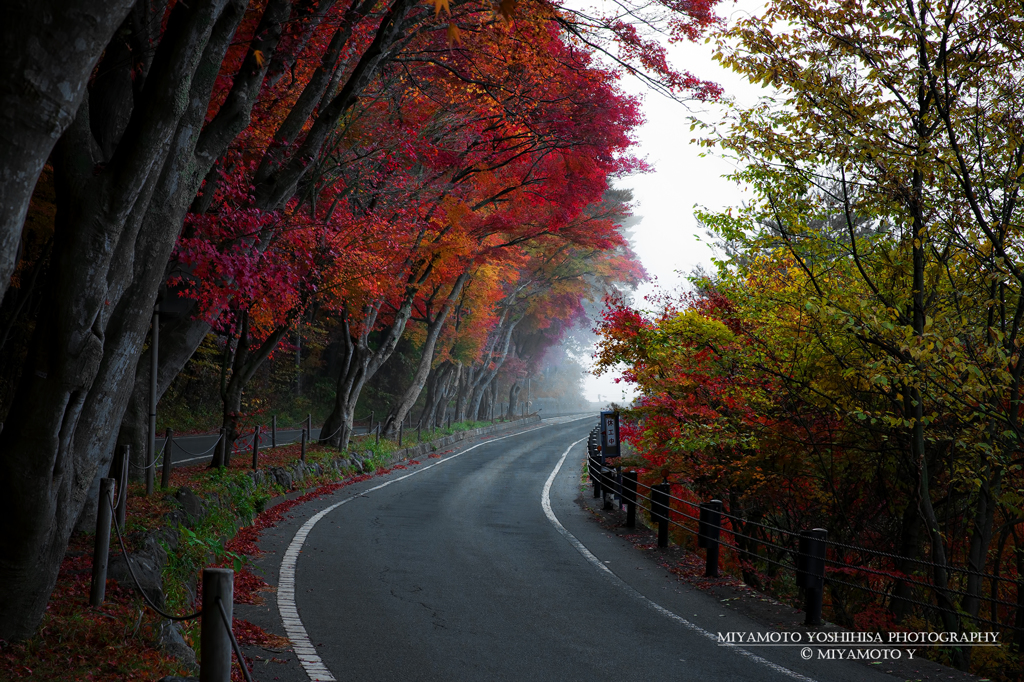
(603, 476)
(162, 613)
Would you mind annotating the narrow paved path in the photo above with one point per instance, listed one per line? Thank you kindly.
(456, 572)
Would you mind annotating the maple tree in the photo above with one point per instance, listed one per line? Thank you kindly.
(135, 154)
(862, 371)
(218, 108)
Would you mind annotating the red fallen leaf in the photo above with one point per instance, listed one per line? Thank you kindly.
(253, 635)
(248, 587)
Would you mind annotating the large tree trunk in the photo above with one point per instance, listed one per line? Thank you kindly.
(243, 368)
(111, 181)
(513, 399)
(462, 391)
(910, 547)
(179, 338)
(981, 538)
(444, 379)
(98, 304)
(434, 328)
(362, 362)
(489, 369)
(49, 50)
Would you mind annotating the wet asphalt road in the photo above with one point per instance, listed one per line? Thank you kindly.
(456, 573)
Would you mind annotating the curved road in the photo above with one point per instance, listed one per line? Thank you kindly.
(456, 572)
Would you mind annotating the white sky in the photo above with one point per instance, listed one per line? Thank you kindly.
(666, 239)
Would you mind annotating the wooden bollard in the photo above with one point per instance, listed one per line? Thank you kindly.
(165, 477)
(122, 488)
(101, 547)
(214, 637)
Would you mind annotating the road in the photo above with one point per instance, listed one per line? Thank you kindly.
(192, 449)
(455, 570)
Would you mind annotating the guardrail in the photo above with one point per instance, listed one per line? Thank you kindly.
(809, 551)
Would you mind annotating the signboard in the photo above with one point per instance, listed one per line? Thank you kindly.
(610, 434)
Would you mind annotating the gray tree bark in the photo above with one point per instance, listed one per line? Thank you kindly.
(244, 364)
(123, 192)
(434, 328)
(48, 51)
(72, 394)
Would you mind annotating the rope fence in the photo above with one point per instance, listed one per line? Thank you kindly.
(809, 551)
(217, 639)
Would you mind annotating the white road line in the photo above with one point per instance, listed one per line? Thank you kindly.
(545, 501)
(303, 647)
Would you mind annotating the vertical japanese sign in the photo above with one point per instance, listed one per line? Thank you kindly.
(610, 434)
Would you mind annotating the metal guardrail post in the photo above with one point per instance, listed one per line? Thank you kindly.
(595, 476)
(256, 447)
(165, 476)
(660, 510)
(708, 533)
(302, 452)
(273, 431)
(810, 573)
(101, 548)
(629, 496)
(214, 638)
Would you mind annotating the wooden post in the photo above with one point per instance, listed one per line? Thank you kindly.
(122, 485)
(629, 493)
(101, 548)
(154, 350)
(214, 637)
(708, 533)
(165, 478)
(660, 510)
